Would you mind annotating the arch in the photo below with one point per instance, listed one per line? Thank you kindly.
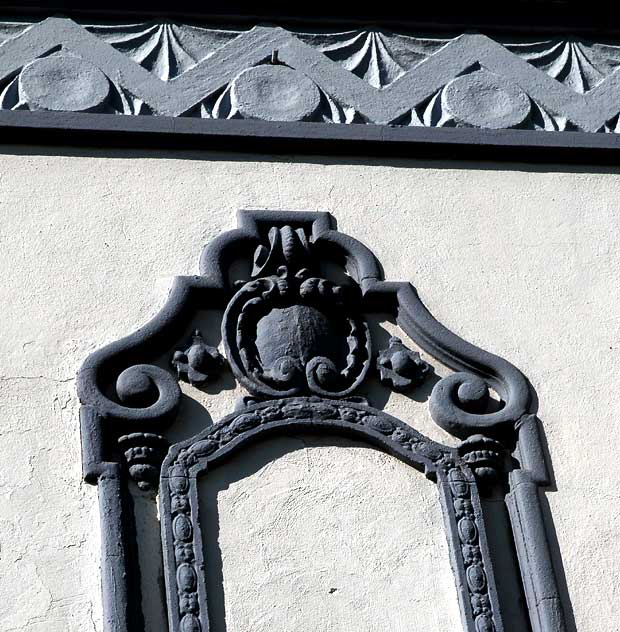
(188, 461)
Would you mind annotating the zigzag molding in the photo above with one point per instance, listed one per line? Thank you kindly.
(471, 80)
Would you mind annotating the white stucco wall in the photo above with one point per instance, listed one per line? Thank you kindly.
(523, 261)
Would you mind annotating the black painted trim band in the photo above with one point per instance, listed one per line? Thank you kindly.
(531, 16)
(162, 132)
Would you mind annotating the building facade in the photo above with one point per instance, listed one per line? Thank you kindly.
(286, 436)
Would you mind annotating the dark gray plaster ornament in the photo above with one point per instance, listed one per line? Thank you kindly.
(485, 456)
(200, 362)
(400, 368)
(297, 340)
(144, 453)
(288, 331)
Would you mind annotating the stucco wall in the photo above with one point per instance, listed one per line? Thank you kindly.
(522, 261)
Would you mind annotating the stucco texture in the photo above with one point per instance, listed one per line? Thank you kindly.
(522, 261)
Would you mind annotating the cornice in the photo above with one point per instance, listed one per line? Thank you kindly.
(404, 83)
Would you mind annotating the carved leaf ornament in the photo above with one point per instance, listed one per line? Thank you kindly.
(298, 341)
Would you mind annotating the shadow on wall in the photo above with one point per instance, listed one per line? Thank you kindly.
(554, 545)
(395, 162)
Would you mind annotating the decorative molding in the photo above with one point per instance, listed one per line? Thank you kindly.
(309, 377)
(187, 462)
(362, 78)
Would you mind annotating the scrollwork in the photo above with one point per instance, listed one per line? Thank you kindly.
(297, 337)
(148, 389)
(459, 402)
(291, 332)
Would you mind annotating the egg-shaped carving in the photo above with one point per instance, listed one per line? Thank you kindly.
(186, 577)
(275, 93)
(63, 83)
(476, 579)
(182, 528)
(467, 530)
(483, 99)
(190, 623)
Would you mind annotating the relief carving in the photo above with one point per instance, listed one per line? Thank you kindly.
(200, 362)
(400, 368)
(292, 332)
(297, 339)
(268, 73)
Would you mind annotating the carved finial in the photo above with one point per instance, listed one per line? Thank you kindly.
(199, 362)
(400, 368)
(144, 453)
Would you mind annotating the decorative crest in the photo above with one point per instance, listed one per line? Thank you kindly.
(289, 332)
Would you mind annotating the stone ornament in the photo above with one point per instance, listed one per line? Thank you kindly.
(200, 362)
(400, 368)
(482, 99)
(485, 457)
(298, 342)
(291, 332)
(144, 453)
(63, 83)
(271, 74)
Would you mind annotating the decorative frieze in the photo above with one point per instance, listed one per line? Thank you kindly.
(268, 73)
